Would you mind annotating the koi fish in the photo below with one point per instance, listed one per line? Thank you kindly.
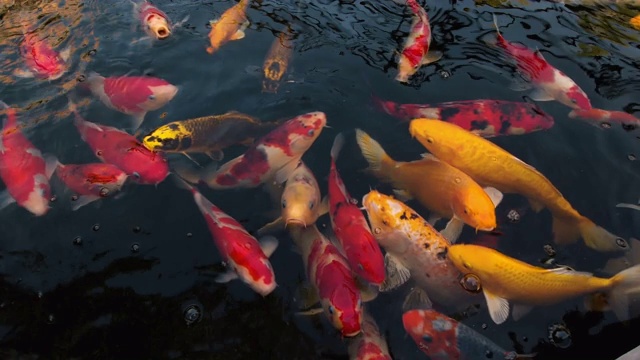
(330, 274)
(599, 117)
(247, 258)
(91, 182)
(207, 134)
(276, 62)
(487, 118)
(132, 95)
(230, 26)
(551, 83)
(507, 280)
(154, 21)
(370, 344)
(350, 226)
(441, 337)
(274, 156)
(415, 51)
(300, 201)
(446, 191)
(415, 250)
(41, 59)
(113, 146)
(490, 165)
(23, 169)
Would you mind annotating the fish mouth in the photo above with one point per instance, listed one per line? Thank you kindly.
(295, 221)
(162, 33)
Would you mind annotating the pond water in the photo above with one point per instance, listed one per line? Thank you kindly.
(134, 276)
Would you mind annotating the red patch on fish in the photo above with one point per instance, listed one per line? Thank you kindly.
(41, 58)
(126, 93)
(92, 179)
(147, 11)
(438, 343)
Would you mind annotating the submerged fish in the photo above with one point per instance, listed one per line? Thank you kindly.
(132, 95)
(350, 226)
(23, 169)
(276, 61)
(415, 250)
(551, 83)
(246, 258)
(441, 337)
(91, 181)
(370, 344)
(506, 281)
(487, 118)
(272, 157)
(332, 278)
(600, 117)
(230, 26)
(415, 51)
(41, 59)
(446, 191)
(207, 134)
(490, 165)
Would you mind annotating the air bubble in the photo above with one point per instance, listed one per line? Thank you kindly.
(92, 52)
(549, 250)
(377, 231)
(135, 248)
(53, 198)
(513, 216)
(192, 314)
(136, 229)
(631, 157)
(77, 241)
(444, 74)
(485, 326)
(51, 319)
(471, 283)
(96, 227)
(488, 354)
(81, 78)
(605, 125)
(104, 192)
(560, 336)
(40, 294)
(74, 197)
(189, 235)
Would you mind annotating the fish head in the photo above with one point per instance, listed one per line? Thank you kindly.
(300, 202)
(158, 26)
(150, 166)
(473, 259)
(381, 211)
(575, 98)
(300, 132)
(433, 332)
(474, 207)
(170, 137)
(441, 138)
(159, 93)
(344, 309)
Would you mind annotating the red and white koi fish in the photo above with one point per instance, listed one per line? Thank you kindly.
(415, 51)
(91, 181)
(332, 278)
(23, 169)
(272, 157)
(370, 345)
(599, 117)
(441, 337)
(487, 118)
(351, 227)
(132, 95)
(41, 59)
(550, 83)
(123, 150)
(247, 258)
(154, 21)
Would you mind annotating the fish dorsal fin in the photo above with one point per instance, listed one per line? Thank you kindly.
(397, 273)
(498, 307)
(566, 270)
(428, 156)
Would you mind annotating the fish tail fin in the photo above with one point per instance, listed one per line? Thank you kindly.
(623, 284)
(181, 183)
(338, 143)
(373, 153)
(600, 239)
(565, 230)
(495, 24)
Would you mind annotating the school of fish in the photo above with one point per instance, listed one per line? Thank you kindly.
(368, 247)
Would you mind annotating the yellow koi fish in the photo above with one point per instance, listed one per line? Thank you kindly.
(507, 280)
(276, 62)
(490, 165)
(446, 191)
(230, 26)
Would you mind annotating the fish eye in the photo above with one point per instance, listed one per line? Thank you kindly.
(574, 100)
(331, 309)
(621, 243)
(152, 97)
(471, 283)
(284, 204)
(311, 132)
(430, 140)
(360, 267)
(311, 205)
(466, 265)
(466, 211)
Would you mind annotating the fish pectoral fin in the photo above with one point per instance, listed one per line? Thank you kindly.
(65, 54)
(628, 206)
(417, 299)
(498, 307)
(190, 158)
(310, 312)
(136, 120)
(238, 35)
(495, 195)
(226, 277)
(453, 230)
(565, 270)
(83, 200)
(520, 85)
(274, 226)
(215, 155)
(402, 195)
(541, 95)
(307, 296)
(536, 205)
(432, 56)
(324, 206)
(268, 244)
(367, 292)
(6, 199)
(397, 273)
(283, 173)
(51, 164)
(519, 311)
(186, 173)
(433, 219)
(213, 21)
(429, 156)
(21, 73)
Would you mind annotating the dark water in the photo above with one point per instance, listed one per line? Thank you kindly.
(125, 278)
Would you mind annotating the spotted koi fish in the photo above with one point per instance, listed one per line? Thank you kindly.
(487, 118)
(550, 83)
(370, 344)
(23, 169)
(350, 226)
(415, 51)
(599, 117)
(441, 337)
(332, 278)
(274, 156)
(246, 258)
